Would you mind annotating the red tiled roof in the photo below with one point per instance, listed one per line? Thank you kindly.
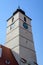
(7, 56)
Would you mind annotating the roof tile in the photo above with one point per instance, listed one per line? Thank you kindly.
(7, 57)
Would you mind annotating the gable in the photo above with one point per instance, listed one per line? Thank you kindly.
(7, 57)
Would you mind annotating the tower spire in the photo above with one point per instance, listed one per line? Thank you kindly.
(18, 7)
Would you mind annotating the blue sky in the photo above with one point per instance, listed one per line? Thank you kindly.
(33, 9)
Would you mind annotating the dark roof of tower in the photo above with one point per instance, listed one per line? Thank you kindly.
(19, 10)
(7, 57)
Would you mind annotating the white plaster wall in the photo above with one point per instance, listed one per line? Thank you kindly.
(15, 25)
(15, 52)
(27, 54)
(25, 34)
(13, 43)
(12, 34)
(15, 18)
(16, 49)
(21, 16)
(26, 43)
(28, 21)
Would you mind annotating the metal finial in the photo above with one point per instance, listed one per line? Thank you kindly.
(18, 7)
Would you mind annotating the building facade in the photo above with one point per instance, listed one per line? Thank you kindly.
(19, 38)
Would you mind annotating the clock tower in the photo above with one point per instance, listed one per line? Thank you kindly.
(19, 38)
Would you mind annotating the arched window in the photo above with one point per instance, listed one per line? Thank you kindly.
(24, 19)
(12, 19)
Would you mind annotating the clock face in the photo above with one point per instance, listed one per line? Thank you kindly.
(25, 25)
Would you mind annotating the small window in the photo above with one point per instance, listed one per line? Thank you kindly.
(7, 61)
(25, 19)
(23, 60)
(12, 19)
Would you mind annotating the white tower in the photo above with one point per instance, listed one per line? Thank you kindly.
(19, 38)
